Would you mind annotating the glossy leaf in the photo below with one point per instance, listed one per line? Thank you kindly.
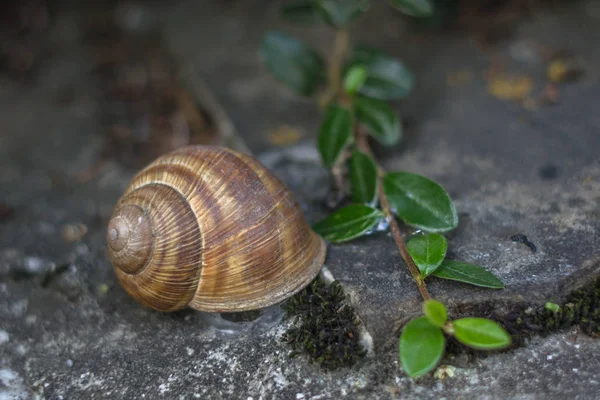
(428, 251)
(335, 134)
(481, 333)
(381, 120)
(435, 312)
(302, 12)
(414, 8)
(421, 347)
(355, 78)
(420, 202)
(293, 63)
(387, 77)
(468, 273)
(339, 13)
(348, 223)
(363, 178)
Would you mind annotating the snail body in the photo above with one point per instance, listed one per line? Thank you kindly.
(211, 229)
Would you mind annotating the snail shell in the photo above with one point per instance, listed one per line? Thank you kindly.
(211, 229)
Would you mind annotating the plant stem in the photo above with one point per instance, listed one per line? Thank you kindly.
(363, 145)
(339, 52)
(341, 45)
(340, 49)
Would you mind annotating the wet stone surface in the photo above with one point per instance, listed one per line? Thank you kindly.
(67, 329)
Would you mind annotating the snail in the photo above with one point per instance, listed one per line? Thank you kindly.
(212, 229)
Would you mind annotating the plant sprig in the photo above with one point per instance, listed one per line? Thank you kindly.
(353, 88)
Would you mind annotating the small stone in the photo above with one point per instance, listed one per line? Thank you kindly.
(35, 265)
(69, 363)
(21, 350)
(73, 232)
(4, 337)
(19, 308)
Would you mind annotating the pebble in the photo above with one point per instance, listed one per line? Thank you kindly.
(35, 265)
(19, 308)
(4, 337)
(21, 350)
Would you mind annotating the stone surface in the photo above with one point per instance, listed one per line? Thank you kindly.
(69, 331)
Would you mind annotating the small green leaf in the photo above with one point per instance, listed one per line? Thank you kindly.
(335, 133)
(363, 177)
(414, 8)
(435, 312)
(468, 273)
(380, 118)
(354, 79)
(348, 223)
(387, 78)
(293, 63)
(421, 347)
(339, 13)
(420, 202)
(480, 333)
(428, 251)
(302, 12)
(552, 307)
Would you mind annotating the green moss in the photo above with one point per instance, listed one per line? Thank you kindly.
(581, 308)
(325, 327)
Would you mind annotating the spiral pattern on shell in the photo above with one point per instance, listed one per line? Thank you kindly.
(211, 229)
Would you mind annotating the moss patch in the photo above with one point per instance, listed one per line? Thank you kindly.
(581, 308)
(325, 327)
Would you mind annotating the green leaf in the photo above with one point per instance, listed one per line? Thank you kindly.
(435, 312)
(468, 273)
(354, 79)
(380, 118)
(348, 223)
(428, 251)
(552, 307)
(302, 12)
(420, 202)
(414, 8)
(293, 63)
(339, 13)
(387, 78)
(335, 133)
(481, 333)
(421, 347)
(363, 177)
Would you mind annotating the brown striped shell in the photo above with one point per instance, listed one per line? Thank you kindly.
(211, 229)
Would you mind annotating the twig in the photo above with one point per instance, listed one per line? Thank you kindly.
(363, 145)
(340, 49)
(341, 45)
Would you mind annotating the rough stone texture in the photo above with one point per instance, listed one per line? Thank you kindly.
(80, 336)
